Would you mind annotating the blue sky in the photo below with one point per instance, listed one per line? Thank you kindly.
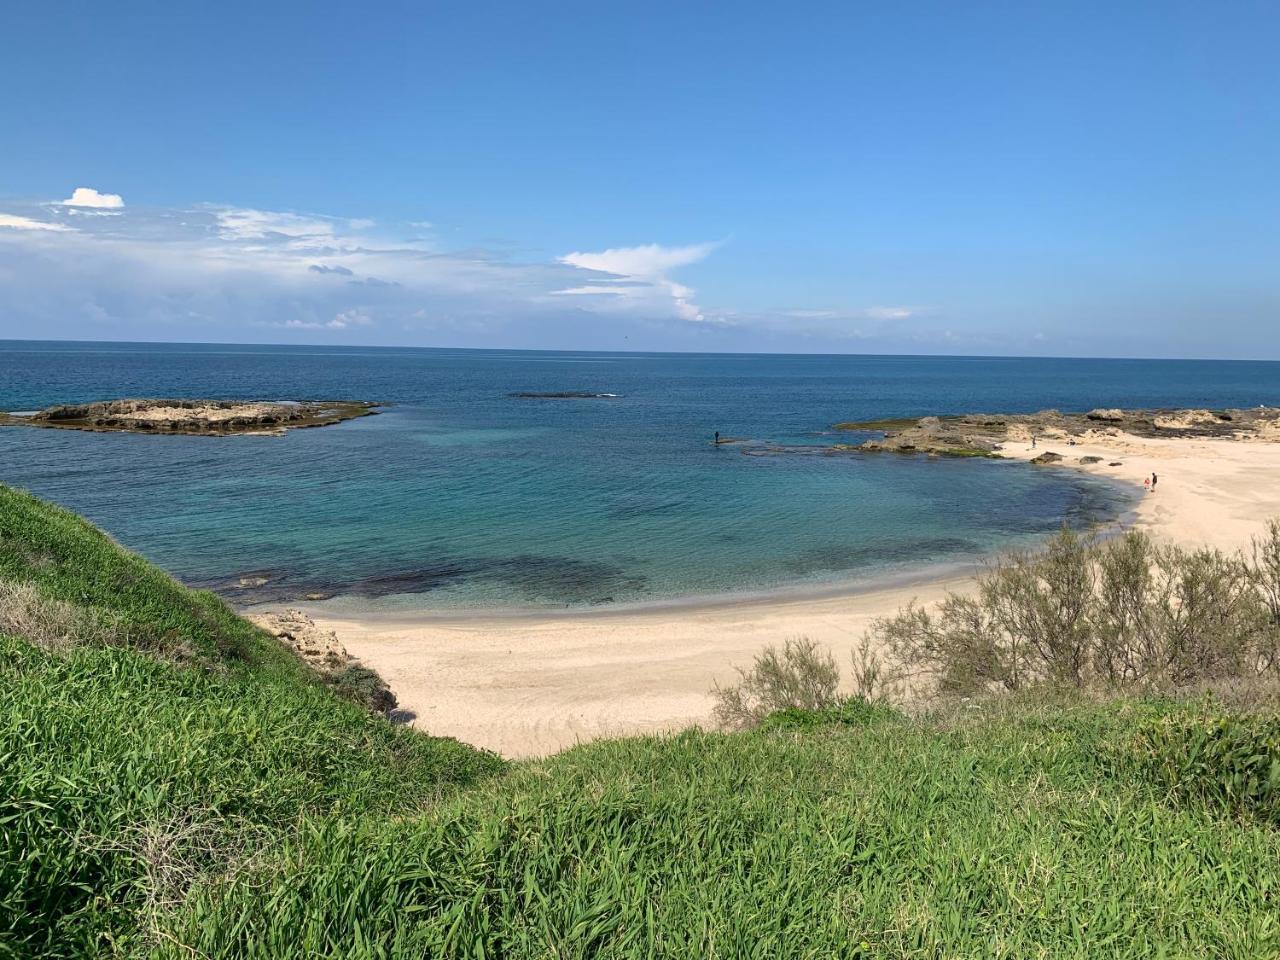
(1026, 178)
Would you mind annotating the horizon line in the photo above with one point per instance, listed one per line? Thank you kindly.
(672, 353)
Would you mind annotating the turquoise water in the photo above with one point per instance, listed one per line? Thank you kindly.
(461, 495)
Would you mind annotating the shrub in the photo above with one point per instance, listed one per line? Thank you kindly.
(1124, 613)
(799, 676)
(364, 686)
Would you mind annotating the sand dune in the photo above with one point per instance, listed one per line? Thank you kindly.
(530, 684)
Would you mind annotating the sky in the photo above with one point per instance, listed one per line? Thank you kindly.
(1025, 178)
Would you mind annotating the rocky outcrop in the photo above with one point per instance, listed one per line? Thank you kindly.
(320, 649)
(983, 435)
(323, 652)
(1048, 457)
(1190, 419)
(194, 417)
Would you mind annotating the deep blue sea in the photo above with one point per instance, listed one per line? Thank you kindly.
(459, 495)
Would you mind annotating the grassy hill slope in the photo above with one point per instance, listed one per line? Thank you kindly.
(173, 784)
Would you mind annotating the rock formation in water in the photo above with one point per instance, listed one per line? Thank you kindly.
(982, 435)
(193, 417)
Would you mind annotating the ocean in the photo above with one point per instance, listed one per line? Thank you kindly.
(459, 495)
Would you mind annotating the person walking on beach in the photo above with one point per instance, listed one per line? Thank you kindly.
(1154, 478)
(1033, 441)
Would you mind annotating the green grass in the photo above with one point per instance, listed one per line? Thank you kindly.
(68, 559)
(225, 805)
(1013, 836)
(188, 741)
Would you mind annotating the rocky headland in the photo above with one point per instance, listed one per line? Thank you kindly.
(193, 417)
(984, 435)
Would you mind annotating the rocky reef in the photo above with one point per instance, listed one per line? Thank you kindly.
(562, 395)
(193, 417)
(982, 435)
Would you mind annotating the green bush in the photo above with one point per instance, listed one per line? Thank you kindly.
(362, 685)
(1122, 614)
(798, 676)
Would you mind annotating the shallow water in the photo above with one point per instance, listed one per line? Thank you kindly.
(463, 495)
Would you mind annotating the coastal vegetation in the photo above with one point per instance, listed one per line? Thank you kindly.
(175, 782)
(1119, 614)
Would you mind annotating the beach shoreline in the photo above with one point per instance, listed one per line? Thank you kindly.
(528, 683)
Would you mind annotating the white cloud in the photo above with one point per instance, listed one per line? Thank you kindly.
(245, 224)
(231, 273)
(648, 264)
(26, 223)
(89, 197)
(889, 313)
(650, 260)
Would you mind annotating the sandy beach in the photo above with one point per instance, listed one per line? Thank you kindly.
(529, 684)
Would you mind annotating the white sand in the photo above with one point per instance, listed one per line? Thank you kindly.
(531, 684)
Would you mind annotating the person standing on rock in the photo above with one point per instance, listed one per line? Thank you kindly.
(717, 438)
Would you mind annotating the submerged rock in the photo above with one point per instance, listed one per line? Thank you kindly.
(562, 395)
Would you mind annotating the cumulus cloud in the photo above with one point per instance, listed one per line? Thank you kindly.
(638, 276)
(89, 197)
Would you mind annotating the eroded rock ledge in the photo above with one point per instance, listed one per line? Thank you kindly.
(193, 417)
(323, 652)
(982, 435)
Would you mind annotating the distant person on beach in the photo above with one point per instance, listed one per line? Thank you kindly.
(1033, 441)
(1154, 478)
(1146, 482)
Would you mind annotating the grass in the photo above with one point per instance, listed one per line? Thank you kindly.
(173, 787)
(1018, 835)
(173, 742)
